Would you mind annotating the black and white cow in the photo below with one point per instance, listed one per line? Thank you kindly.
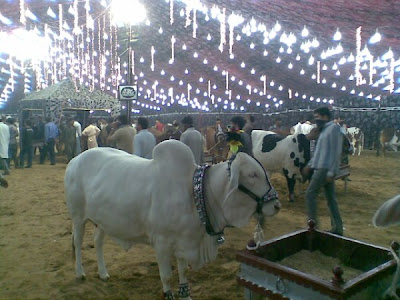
(276, 153)
(356, 138)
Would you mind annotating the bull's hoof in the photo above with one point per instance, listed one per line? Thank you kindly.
(3, 183)
(104, 277)
(81, 277)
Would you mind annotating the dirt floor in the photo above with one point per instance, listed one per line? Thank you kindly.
(35, 237)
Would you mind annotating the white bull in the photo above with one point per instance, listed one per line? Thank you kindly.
(134, 200)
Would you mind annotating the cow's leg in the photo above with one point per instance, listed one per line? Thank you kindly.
(291, 184)
(184, 292)
(77, 240)
(164, 266)
(99, 241)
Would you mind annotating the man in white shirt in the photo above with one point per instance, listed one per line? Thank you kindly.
(193, 139)
(78, 129)
(4, 143)
(144, 142)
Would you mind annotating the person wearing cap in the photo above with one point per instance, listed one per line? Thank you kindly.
(193, 139)
(239, 140)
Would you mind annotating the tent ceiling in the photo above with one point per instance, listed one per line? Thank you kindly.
(322, 19)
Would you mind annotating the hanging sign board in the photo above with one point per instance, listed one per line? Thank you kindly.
(127, 92)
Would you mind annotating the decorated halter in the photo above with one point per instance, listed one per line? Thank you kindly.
(270, 195)
(199, 198)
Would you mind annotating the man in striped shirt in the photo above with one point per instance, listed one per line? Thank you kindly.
(325, 163)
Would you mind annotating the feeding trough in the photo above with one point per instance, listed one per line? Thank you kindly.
(292, 267)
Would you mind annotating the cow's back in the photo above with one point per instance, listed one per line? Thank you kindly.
(128, 196)
(268, 149)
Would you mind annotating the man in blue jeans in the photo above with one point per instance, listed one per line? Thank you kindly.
(325, 163)
(50, 135)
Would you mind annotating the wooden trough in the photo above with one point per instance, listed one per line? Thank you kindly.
(263, 275)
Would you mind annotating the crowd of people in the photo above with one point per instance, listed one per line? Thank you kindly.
(19, 146)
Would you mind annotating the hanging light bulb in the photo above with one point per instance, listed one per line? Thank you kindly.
(277, 26)
(375, 38)
(265, 53)
(290, 66)
(253, 71)
(334, 85)
(313, 76)
(243, 64)
(311, 60)
(324, 67)
(334, 67)
(304, 32)
(298, 57)
(337, 73)
(302, 72)
(209, 37)
(289, 50)
(278, 60)
(323, 81)
(281, 49)
(337, 36)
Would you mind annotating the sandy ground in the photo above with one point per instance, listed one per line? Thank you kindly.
(35, 237)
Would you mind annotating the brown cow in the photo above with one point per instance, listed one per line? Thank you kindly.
(389, 137)
(216, 144)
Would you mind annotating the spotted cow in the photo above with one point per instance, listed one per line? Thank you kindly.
(356, 138)
(277, 153)
(390, 138)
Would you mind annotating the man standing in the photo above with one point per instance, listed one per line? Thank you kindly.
(26, 144)
(239, 140)
(4, 142)
(70, 140)
(144, 142)
(159, 126)
(325, 163)
(122, 134)
(176, 135)
(13, 146)
(193, 139)
(50, 135)
(38, 138)
(91, 132)
(78, 135)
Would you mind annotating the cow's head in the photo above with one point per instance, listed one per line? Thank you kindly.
(249, 191)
